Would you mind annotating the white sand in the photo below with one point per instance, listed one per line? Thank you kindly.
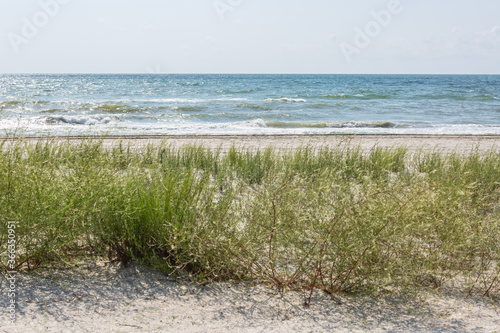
(106, 297)
(445, 143)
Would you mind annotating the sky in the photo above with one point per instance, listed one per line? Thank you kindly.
(250, 36)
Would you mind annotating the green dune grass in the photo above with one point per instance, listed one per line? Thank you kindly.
(340, 220)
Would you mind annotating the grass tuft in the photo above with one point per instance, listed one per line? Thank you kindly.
(336, 219)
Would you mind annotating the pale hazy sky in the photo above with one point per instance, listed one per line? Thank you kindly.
(250, 36)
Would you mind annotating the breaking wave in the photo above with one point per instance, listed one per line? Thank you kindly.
(339, 124)
(287, 99)
(78, 120)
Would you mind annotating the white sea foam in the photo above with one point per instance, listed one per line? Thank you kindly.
(287, 99)
(77, 120)
(250, 104)
(91, 125)
(191, 100)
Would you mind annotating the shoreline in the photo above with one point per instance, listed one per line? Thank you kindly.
(152, 136)
(440, 142)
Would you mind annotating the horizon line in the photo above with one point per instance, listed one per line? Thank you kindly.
(230, 73)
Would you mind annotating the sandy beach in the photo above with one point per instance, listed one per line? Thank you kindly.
(107, 297)
(443, 143)
(245, 166)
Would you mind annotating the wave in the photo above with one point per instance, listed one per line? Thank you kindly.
(192, 100)
(106, 108)
(78, 120)
(17, 102)
(356, 96)
(171, 100)
(117, 108)
(287, 99)
(252, 106)
(458, 97)
(110, 107)
(189, 84)
(320, 105)
(286, 124)
(53, 111)
(152, 125)
(6, 103)
(262, 126)
(339, 124)
(188, 108)
(244, 91)
(227, 99)
(256, 123)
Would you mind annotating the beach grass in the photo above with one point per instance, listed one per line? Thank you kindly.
(335, 219)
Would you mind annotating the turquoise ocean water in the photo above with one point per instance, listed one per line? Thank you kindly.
(249, 104)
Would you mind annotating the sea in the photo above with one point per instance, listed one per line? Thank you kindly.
(220, 104)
